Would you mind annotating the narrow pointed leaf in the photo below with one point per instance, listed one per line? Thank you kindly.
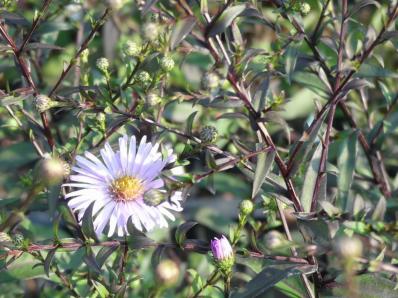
(181, 30)
(264, 163)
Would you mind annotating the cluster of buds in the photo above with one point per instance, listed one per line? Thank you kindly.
(131, 49)
(223, 255)
(167, 63)
(143, 78)
(300, 7)
(102, 64)
(84, 56)
(208, 134)
(151, 31)
(153, 99)
(210, 81)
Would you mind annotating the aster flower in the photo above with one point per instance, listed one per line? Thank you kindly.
(223, 254)
(118, 186)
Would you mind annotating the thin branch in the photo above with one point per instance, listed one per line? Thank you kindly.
(36, 22)
(97, 26)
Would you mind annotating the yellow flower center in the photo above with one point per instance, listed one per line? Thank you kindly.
(127, 188)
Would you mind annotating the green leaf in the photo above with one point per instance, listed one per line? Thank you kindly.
(101, 289)
(310, 179)
(48, 261)
(225, 19)
(306, 145)
(269, 277)
(182, 230)
(264, 163)
(104, 254)
(191, 118)
(181, 30)
(91, 261)
(87, 223)
(380, 210)
(358, 6)
(290, 62)
(346, 164)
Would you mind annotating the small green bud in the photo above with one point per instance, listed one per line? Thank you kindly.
(210, 81)
(131, 49)
(273, 239)
(167, 273)
(4, 238)
(43, 103)
(246, 207)
(84, 56)
(102, 64)
(143, 78)
(153, 99)
(349, 247)
(305, 8)
(167, 63)
(208, 134)
(150, 31)
(18, 239)
(154, 197)
(52, 170)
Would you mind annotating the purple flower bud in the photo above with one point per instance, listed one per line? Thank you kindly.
(221, 249)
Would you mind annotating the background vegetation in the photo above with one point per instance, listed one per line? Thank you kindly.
(289, 104)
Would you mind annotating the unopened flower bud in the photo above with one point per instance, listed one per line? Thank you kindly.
(208, 134)
(52, 170)
(43, 103)
(223, 254)
(246, 207)
(167, 272)
(84, 55)
(131, 49)
(143, 78)
(349, 247)
(305, 8)
(210, 81)
(18, 239)
(167, 63)
(150, 31)
(153, 99)
(154, 197)
(4, 238)
(102, 64)
(273, 239)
